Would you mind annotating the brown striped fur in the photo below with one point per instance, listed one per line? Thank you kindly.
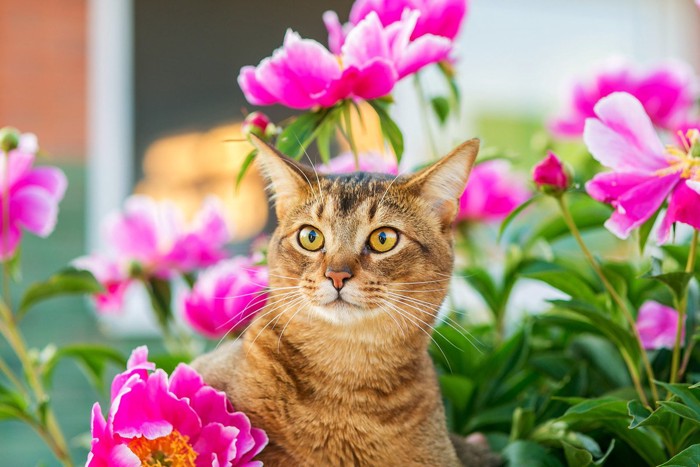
(349, 382)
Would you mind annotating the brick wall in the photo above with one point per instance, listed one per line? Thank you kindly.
(42, 72)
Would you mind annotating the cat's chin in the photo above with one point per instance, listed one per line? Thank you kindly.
(340, 311)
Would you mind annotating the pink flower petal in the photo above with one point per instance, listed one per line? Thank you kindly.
(254, 91)
(636, 206)
(366, 42)
(34, 209)
(423, 51)
(216, 445)
(336, 34)
(624, 138)
(657, 325)
(684, 207)
(9, 241)
(609, 186)
(51, 179)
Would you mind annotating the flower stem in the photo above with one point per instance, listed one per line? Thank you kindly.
(689, 268)
(49, 425)
(568, 219)
(349, 136)
(423, 100)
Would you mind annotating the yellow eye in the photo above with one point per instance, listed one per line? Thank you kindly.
(310, 238)
(383, 240)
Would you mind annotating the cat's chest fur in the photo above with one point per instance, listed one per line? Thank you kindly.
(334, 405)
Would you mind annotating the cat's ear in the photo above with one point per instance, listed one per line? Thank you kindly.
(443, 183)
(288, 181)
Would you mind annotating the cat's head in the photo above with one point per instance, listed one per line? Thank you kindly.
(363, 246)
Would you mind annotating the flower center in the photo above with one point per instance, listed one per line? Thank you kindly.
(685, 160)
(172, 450)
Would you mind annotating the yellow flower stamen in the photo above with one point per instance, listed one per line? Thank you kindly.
(172, 450)
(685, 160)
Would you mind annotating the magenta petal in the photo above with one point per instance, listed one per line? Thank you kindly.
(693, 185)
(336, 35)
(51, 179)
(19, 165)
(657, 325)
(254, 91)
(423, 51)
(623, 138)
(636, 206)
(684, 207)
(9, 241)
(607, 187)
(375, 80)
(216, 445)
(365, 42)
(35, 210)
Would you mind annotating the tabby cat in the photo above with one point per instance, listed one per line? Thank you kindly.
(336, 368)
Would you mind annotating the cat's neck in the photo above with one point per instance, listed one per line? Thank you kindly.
(360, 353)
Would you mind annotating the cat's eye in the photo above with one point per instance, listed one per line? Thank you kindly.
(310, 238)
(383, 240)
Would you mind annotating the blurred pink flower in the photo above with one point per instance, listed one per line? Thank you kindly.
(226, 296)
(645, 173)
(666, 92)
(551, 175)
(492, 192)
(369, 162)
(34, 194)
(152, 239)
(657, 325)
(303, 74)
(437, 17)
(156, 420)
(256, 123)
(113, 277)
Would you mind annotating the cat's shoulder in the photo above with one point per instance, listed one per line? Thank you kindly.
(218, 366)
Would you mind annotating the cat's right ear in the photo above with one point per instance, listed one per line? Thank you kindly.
(288, 181)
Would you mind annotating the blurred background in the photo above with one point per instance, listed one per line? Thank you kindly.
(141, 96)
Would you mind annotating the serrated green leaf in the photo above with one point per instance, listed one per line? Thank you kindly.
(681, 410)
(689, 457)
(70, 281)
(441, 107)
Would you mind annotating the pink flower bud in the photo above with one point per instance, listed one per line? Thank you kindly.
(550, 175)
(256, 123)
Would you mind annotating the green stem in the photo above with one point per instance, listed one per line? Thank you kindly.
(347, 115)
(13, 337)
(689, 268)
(423, 101)
(568, 219)
(5, 368)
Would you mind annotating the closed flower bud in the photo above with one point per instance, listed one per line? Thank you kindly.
(9, 139)
(259, 124)
(550, 175)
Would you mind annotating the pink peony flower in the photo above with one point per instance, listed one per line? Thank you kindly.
(437, 17)
(492, 193)
(550, 175)
(645, 173)
(369, 162)
(657, 325)
(33, 195)
(113, 277)
(226, 297)
(304, 74)
(152, 239)
(179, 421)
(666, 92)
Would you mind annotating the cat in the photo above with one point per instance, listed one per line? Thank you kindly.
(335, 368)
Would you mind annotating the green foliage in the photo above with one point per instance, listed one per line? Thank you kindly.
(70, 281)
(92, 358)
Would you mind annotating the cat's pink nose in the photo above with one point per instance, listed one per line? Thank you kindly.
(338, 277)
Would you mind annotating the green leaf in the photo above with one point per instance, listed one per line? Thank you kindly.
(13, 405)
(70, 281)
(677, 282)
(323, 141)
(244, 167)
(689, 457)
(561, 278)
(390, 129)
(92, 358)
(529, 454)
(483, 283)
(690, 395)
(515, 212)
(441, 107)
(680, 254)
(457, 389)
(523, 423)
(168, 362)
(297, 136)
(645, 230)
(681, 410)
(160, 293)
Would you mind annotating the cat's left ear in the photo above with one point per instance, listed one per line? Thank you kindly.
(443, 183)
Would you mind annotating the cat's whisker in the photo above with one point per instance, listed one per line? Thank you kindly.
(266, 290)
(250, 304)
(287, 307)
(428, 324)
(273, 303)
(398, 174)
(411, 320)
(418, 282)
(305, 304)
(271, 274)
(408, 301)
(418, 290)
(401, 328)
(317, 196)
(311, 163)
